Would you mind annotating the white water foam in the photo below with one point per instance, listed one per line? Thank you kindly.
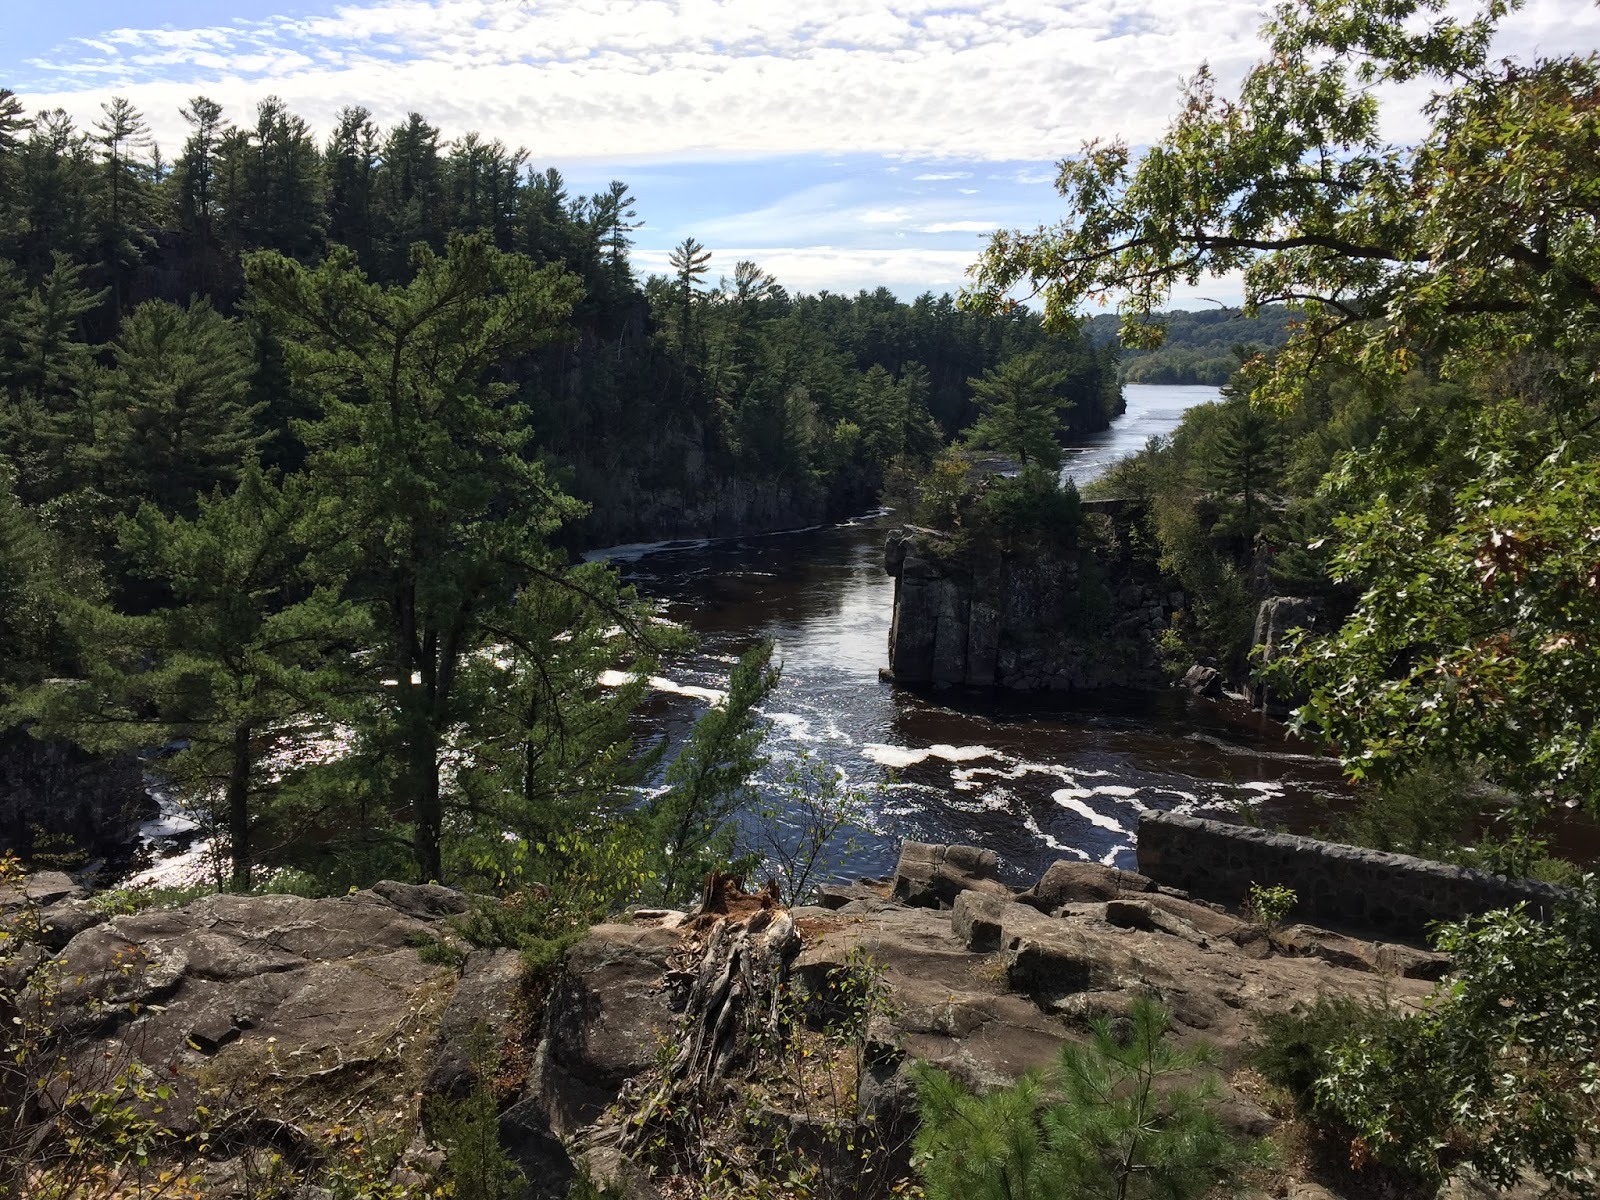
(1069, 798)
(896, 757)
(661, 684)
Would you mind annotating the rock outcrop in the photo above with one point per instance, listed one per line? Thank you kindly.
(982, 981)
(300, 1017)
(1057, 620)
(1276, 618)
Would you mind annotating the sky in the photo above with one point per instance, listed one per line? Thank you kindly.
(840, 144)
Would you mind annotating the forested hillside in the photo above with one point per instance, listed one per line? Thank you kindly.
(707, 401)
(1196, 347)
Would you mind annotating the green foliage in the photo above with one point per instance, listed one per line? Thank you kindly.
(1019, 412)
(1271, 903)
(812, 806)
(690, 825)
(1296, 1049)
(476, 1166)
(1498, 1072)
(1111, 1122)
(1196, 347)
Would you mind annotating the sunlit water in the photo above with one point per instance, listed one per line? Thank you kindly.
(1032, 779)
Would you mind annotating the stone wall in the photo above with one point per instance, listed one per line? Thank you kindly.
(1344, 885)
(1065, 621)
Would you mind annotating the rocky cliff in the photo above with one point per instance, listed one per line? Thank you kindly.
(314, 1032)
(1059, 620)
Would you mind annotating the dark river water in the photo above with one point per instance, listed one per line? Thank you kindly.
(1033, 780)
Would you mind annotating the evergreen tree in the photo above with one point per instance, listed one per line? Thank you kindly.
(175, 414)
(194, 184)
(690, 261)
(252, 644)
(710, 781)
(1123, 1127)
(46, 374)
(1020, 412)
(351, 160)
(446, 514)
(125, 196)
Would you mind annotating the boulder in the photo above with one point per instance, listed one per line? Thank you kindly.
(930, 876)
(1067, 881)
(477, 1023)
(1203, 681)
(609, 1012)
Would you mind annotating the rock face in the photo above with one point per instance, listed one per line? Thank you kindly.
(1276, 618)
(983, 982)
(292, 1016)
(53, 789)
(1042, 621)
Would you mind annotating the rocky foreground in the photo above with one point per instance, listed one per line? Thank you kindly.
(303, 1020)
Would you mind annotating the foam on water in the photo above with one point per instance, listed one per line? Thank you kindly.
(897, 757)
(1069, 798)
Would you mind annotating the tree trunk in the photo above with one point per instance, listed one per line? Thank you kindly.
(239, 810)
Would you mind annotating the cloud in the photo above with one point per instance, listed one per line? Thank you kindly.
(996, 79)
(930, 176)
(960, 227)
(907, 272)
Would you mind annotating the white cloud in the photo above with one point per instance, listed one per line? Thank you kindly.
(930, 176)
(906, 272)
(996, 79)
(960, 227)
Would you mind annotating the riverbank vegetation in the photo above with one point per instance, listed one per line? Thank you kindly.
(1419, 455)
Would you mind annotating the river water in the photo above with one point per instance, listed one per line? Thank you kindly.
(1033, 780)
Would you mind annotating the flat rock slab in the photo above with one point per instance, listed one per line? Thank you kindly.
(279, 1003)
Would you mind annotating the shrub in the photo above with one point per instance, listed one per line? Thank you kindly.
(1295, 1049)
(1499, 1070)
(1118, 1125)
(1271, 903)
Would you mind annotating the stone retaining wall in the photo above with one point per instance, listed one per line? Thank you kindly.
(1344, 885)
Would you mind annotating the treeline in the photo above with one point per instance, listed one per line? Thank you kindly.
(297, 440)
(1196, 347)
(707, 397)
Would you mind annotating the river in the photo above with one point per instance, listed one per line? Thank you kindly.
(1031, 779)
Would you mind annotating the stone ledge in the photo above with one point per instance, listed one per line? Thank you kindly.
(1343, 885)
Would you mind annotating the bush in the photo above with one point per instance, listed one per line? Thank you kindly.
(1119, 1125)
(1296, 1049)
(1499, 1070)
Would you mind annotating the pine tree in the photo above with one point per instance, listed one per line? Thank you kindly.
(1020, 411)
(194, 185)
(447, 515)
(689, 261)
(711, 780)
(251, 645)
(126, 203)
(175, 413)
(45, 373)
(1120, 1125)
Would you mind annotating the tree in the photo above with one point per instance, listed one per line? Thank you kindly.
(194, 183)
(175, 416)
(689, 261)
(1019, 412)
(426, 452)
(1121, 1129)
(251, 644)
(1470, 256)
(46, 372)
(126, 200)
(711, 780)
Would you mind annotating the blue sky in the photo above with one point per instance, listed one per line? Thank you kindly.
(839, 143)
